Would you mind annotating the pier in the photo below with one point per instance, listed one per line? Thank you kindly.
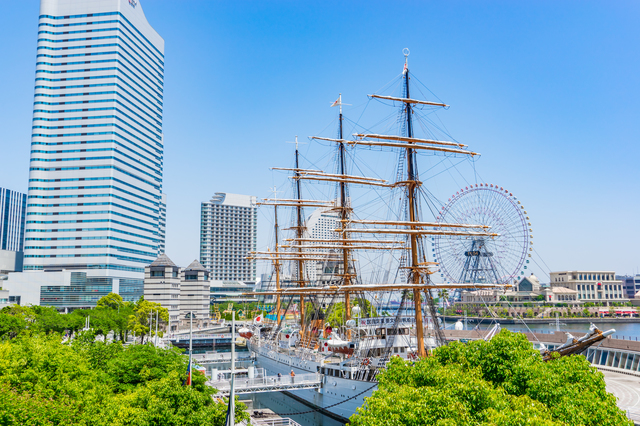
(267, 384)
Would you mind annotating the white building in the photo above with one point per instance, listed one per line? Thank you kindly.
(162, 285)
(4, 297)
(194, 294)
(528, 291)
(591, 286)
(320, 225)
(232, 291)
(95, 180)
(228, 232)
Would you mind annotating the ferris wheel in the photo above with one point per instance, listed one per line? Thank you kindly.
(499, 259)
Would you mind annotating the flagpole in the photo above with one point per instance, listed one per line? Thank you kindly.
(231, 414)
(190, 345)
(156, 329)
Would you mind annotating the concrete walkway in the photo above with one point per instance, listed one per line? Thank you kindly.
(627, 389)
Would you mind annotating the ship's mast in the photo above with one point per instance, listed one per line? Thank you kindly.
(299, 234)
(412, 190)
(343, 216)
(276, 262)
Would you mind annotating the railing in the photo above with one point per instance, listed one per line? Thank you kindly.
(268, 383)
(632, 415)
(224, 356)
(274, 422)
(183, 337)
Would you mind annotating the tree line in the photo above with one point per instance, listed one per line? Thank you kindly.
(53, 371)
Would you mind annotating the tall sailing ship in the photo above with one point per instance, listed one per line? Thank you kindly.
(350, 351)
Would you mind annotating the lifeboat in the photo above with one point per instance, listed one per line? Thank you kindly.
(245, 332)
(336, 345)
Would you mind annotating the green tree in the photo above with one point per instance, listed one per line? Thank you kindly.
(335, 315)
(46, 382)
(144, 315)
(11, 325)
(111, 301)
(500, 382)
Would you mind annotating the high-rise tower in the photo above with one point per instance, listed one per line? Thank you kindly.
(12, 210)
(228, 232)
(95, 183)
(320, 225)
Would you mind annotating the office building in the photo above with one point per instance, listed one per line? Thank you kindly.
(12, 219)
(13, 207)
(10, 261)
(95, 183)
(162, 285)
(232, 292)
(4, 297)
(228, 232)
(631, 284)
(67, 290)
(321, 225)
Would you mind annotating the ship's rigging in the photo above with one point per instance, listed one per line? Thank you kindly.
(408, 234)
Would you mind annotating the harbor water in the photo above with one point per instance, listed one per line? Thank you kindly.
(288, 407)
(624, 330)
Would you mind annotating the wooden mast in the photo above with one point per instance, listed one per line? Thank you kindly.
(343, 218)
(299, 234)
(412, 190)
(276, 262)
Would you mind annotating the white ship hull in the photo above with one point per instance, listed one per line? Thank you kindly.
(337, 395)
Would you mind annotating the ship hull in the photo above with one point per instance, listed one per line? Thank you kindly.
(338, 397)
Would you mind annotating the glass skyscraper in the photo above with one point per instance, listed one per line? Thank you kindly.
(12, 211)
(95, 201)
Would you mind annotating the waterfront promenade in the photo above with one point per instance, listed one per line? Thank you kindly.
(626, 387)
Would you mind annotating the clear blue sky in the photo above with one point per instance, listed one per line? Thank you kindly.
(547, 91)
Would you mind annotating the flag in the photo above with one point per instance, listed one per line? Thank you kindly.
(404, 71)
(258, 319)
(188, 381)
(337, 102)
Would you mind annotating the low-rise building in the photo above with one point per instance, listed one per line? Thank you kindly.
(194, 294)
(528, 290)
(231, 291)
(66, 290)
(630, 284)
(590, 286)
(183, 292)
(162, 285)
(4, 297)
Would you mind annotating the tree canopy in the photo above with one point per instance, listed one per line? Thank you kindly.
(48, 379)
(502, 382)
(87, 382)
